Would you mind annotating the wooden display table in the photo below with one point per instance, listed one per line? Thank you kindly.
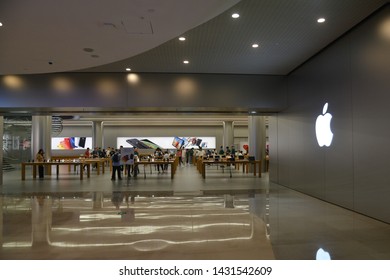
(245, 163)
(100, 163)
(54, 163)
(172, 163)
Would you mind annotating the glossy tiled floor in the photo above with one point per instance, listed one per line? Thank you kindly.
(220, 217)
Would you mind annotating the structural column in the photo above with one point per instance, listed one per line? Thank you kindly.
(257, 138)
(1, 148)
(41, 135)
(228, 134)
(97, 136)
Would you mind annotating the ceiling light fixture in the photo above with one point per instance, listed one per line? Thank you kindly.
(1, 24)
(186, 62)
(255, 45)
(128, 69)
(235, 15)
(320, 20)
(182, 39)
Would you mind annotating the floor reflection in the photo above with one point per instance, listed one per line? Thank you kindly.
(129, 225)
(185, 218)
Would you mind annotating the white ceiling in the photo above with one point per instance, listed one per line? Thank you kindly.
(108, 36)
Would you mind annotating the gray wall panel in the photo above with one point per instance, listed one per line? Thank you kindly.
(146, 91)
(63, 90)
(209, 90)
(370, 56)
(352, 75)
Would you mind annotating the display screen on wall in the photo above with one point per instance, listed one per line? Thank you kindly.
(174, 142)
(71, 143)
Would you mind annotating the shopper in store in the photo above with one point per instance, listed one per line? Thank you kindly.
(166, 159)
(40, 157)
(233, 151)
(158, 155)
(179, 154)
(87, 153)
(189, 156)
(116, 165)
(136, 158)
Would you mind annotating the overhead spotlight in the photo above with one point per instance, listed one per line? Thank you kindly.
(320, 20)
(186, 62)
(1, 24)
(128, 69)
(255, 45)
(182, 39)
(235, 15)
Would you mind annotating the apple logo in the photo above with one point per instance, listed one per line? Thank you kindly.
(323, 131)
(322, 255)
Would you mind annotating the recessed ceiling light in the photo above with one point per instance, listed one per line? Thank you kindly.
(186, 62)
(182, 38)
(255, 45)
(1, 24)
(320, 20)
(235, 15)
(128, 69)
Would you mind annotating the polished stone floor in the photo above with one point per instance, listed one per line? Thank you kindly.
(228, 215)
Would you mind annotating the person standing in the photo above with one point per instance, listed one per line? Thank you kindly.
(116, 165)
(87, 153)
(166, 159)
(179, 154)
(189, 155)
(40, 157)
(136, 158)
(233, 151)
(221, 151)
(158, 156)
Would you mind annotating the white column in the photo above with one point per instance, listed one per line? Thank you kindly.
(228, 134)
(1, 148)
(97, 134)
(257, 138)
(41, 135)
(102, 135)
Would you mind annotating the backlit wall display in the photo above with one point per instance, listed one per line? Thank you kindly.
(174, 142)
(71, 143)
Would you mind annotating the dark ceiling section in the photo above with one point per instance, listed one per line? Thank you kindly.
(286, 31)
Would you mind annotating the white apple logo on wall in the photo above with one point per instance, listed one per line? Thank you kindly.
(323, 131)
(323, 255)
